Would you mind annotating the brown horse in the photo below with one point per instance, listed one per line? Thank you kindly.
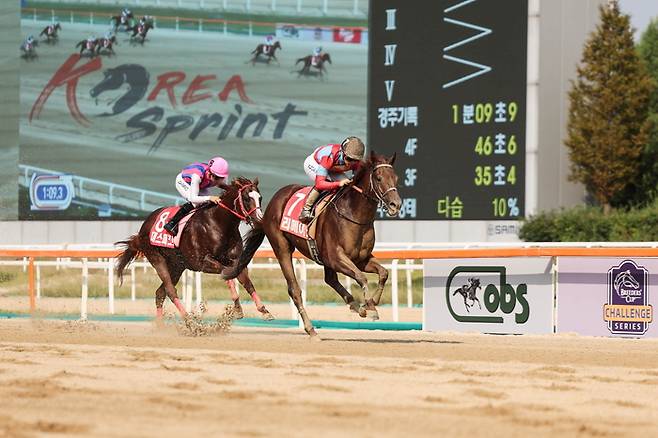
(345, 236)
(308, 64)
(88, 45)
(268, 52)
(210, 243)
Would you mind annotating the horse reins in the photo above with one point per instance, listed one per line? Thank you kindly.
(379, 196)
(245, 215)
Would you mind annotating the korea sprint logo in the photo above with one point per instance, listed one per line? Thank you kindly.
(628, 311)
(470, 300)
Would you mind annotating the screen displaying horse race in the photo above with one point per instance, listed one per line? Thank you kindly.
(115, 103)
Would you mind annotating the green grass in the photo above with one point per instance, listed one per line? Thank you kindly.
(269, 283)
(193, 14)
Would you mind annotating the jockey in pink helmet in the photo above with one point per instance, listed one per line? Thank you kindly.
(193, 184)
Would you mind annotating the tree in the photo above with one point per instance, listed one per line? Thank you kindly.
(647, 187)
(608, 127)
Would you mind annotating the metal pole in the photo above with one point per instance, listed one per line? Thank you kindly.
(324, 7)
(177, 23)
(91, 18)
(110, 286)
(200, 25)
(355, 11)
(299, 6)
(251, 29)
(394, 290)
(273, 5)
(71, 17)
(85, 290)
(248, 5)
(225, 28)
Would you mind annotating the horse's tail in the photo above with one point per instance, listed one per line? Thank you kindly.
(253, 241)
(130, 252)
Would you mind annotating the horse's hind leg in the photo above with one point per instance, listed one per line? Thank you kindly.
(245, 281)
(375, 267)
(331, 278)
(283, 250)
(169, 277)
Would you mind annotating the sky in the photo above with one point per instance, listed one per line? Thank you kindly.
(641, 12)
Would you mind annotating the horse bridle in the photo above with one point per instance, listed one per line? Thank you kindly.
(379, 195)
(238, 203)
(378, 198)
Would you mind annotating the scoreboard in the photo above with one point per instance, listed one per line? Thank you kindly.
(447, 93)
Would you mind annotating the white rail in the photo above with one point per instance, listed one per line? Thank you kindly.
(105, 192)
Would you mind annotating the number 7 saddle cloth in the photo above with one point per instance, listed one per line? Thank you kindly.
(290, 217)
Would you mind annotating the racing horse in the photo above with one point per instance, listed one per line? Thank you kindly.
(468, 292)
(309, 63)
(89, 46)
(345, 236)
(209, 243)
(28, 50)
(105, 44)
(121, 20)
(268, 52)
(139, 32)
(50, 32)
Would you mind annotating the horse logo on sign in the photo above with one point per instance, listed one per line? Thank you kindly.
(628, 311)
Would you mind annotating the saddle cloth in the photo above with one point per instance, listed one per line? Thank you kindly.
(159, 236)
(290, 217)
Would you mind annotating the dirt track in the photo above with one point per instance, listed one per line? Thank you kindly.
(130, 380)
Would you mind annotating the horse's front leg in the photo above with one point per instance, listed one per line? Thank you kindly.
(343, 264)
(245, 281)
(373, 266)
(331, 278)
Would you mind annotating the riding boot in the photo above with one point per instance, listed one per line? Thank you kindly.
(306, 215)
(172, 225)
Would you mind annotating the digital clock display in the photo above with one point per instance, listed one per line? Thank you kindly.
(51, 192)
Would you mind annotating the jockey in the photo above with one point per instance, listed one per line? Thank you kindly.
(125, 12)
(269, 42)
(193, 183)
(317, 52)
(327, 167)
(29, 41)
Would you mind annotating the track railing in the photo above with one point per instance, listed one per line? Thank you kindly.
(31, 260)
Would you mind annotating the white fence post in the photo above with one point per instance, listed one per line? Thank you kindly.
(52, 16)
(394, 290)
(71, 17)
(410, 295)
(177, 23)
(273, 5)
(251, 29)
(224, 4)
(197, 278)
(34, 14)
(299, 6)
(132, 283)
(225, 28)
(200, 25)
(91, 21)
(110, 286)
(248, 5)
(355, 11)
(324, 7)
(85, 290)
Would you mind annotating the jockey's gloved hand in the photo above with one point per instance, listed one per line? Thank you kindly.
(345, 182)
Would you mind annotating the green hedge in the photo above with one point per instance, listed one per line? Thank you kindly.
(589, 224)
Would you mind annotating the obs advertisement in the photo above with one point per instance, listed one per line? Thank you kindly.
(498, 295)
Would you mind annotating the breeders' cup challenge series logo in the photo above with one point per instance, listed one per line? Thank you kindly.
(628, 311)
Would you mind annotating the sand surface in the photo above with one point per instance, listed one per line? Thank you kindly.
(116, 379)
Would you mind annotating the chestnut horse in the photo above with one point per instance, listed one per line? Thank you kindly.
(210, 242)
(345, 236)
(268, 52)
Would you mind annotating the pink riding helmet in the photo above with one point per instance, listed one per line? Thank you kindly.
(218, 166)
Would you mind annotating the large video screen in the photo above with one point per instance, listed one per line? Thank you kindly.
(103, 133)
(448, 94)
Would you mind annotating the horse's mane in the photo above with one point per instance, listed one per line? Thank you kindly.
(235, 185)
(366, 167)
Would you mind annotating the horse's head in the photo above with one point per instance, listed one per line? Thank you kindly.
(244, 198)
(57, 26)
(112, 79)
(277, 45)
(326, 58)
(378, 177)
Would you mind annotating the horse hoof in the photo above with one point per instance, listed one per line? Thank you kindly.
(363, 312)
(313, 336)
(354, 307)
(372, 314)
(267, 316)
